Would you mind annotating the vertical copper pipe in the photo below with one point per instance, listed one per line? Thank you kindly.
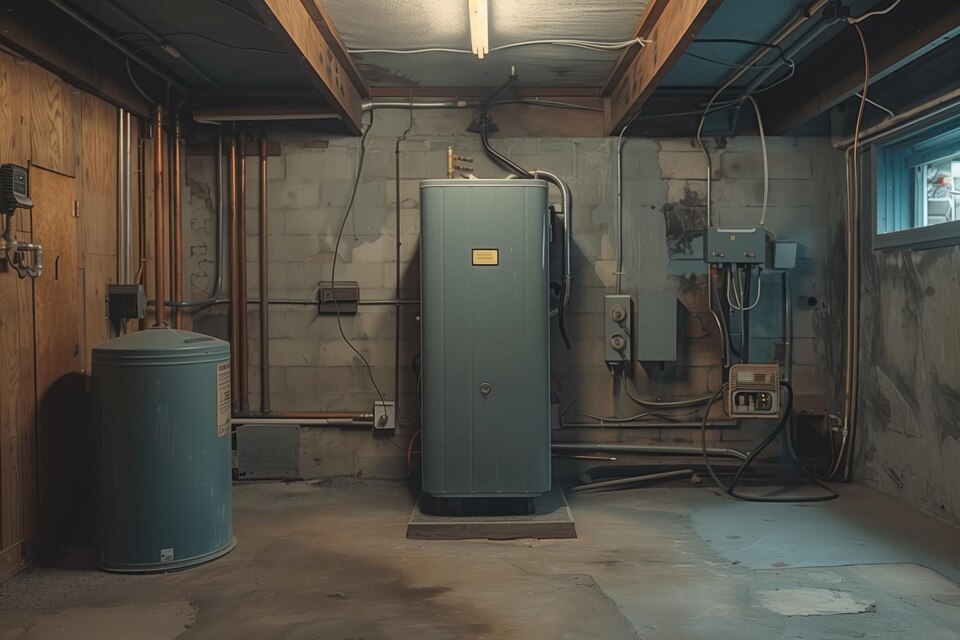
(234, 274)
(141, 213)
(264, 285)
(159, 252)
(176, 220)
(243, 351)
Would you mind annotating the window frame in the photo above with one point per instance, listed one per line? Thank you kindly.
(895, 187)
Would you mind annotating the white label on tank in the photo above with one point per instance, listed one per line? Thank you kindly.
(166, 555)
(223, 399)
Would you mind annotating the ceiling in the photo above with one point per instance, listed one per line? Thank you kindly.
(415, 24)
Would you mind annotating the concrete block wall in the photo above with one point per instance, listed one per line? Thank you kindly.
(664, 191)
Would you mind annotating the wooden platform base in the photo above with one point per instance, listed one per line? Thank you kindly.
(551, 519)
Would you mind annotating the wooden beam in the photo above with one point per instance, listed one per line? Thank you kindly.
(317, 55)
(651, 13)
(669, 37)
(834, 72)
(322, 19)
(45, 36)
(482, 92)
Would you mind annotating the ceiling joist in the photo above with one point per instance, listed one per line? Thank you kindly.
(320, 51)
(668, 36)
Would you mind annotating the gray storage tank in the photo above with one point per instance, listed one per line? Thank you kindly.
(162, 413)
(485, 338)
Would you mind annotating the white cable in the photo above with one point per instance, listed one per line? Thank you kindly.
(876, 104)
(766, 169)
(580, 44)
(880, 12)
(739, 294)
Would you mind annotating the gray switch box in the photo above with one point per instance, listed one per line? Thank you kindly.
(657, 326)
(617, 333)
(735, 246)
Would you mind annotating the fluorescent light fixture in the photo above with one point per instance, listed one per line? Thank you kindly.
(479, 28)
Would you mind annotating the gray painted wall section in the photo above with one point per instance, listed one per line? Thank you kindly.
(664, 200)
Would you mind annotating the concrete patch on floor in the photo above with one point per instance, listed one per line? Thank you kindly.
(159, 621)
(810, 601)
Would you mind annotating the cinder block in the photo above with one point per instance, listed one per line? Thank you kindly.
(686, 165)
(790, 164)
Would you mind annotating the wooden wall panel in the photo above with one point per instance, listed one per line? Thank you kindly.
(98, 169)
(52, 115)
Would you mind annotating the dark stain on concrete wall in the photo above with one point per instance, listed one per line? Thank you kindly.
(686, 221)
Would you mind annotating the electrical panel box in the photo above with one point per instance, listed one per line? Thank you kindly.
(735, 246)
(784, 255)
(126, 302)
(657, 326)
(384, 415)
(341, 297)
(617, 334)
(753, 391)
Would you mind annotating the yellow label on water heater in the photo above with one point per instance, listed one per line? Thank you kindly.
(486, 257)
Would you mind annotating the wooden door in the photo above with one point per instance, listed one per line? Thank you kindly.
(61, 424)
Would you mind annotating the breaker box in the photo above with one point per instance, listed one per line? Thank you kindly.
(735, 246)
(618, 331)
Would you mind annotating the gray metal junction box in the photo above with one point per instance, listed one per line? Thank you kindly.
(485, 338)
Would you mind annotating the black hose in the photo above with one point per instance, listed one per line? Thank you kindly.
(495, 155)
(563, 289)
(784, 421)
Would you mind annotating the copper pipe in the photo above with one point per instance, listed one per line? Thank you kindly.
(243, 350)
(159, 253)
(333, 415)
(234, 273)
(176, 220)
(141, 214)
(264, 285)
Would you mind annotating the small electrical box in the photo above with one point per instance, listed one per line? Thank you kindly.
(14, 188)
(784, 255)
(735, 246)
(618, 335)
(384, 415)
(658, 325)
(753, 391)
(126, 302)
(341, 297)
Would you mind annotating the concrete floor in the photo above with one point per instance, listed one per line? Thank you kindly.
(328, 560)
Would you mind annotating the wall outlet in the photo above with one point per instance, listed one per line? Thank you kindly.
(384, 416)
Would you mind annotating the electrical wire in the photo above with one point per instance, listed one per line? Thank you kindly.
(136, 85)
(658, 404)
(766, 168)
(739, 295)
(753, 43)
(619, 273)
(580, 44)
(853, 277)
(192, 34)
(333, 267)
(730, 489)
(877, 105)
(870, 14)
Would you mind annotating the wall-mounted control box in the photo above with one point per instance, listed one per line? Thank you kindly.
(618, 329)
(753, 391)
(735, 246)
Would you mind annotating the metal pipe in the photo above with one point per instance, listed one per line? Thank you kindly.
(909, 118)
(622, 482)
(798, 45)
(123, 176)
(176, 221)
(159, 41)
(567, 204)
(141, 215)
(243, 352)
(291, 301)
(650, 424)
(116, 45)
(787, 328)
(219, 267)
(358, 416)
(158, 218)
(651, 449)
(264, 285)
(475, 104)
(304, 422)
(234, 274)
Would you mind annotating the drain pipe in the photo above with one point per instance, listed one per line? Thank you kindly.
(234, 274)
(242, 318)
(159, 257)
(264, 285)
(671, 450)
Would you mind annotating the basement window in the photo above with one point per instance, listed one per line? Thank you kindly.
(918, 190)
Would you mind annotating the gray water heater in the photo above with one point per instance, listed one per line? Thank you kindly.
(485, 338)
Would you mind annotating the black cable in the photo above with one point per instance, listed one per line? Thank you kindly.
(496, 156)
(136, 85)
(781, 425)
(333, 268)
(192, 34)
(754, 43)
(727, 63)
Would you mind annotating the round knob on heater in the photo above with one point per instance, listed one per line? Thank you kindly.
(486, 389)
